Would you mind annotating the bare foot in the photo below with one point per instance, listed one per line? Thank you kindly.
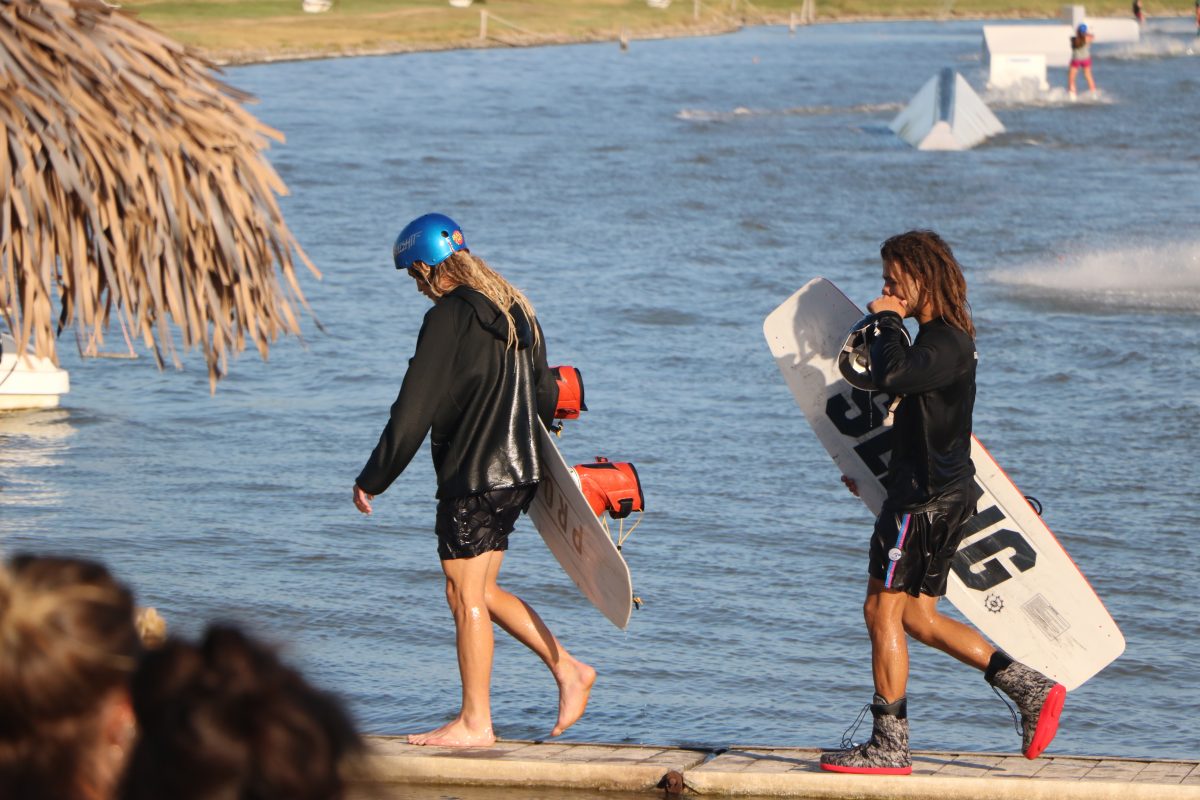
(574, 689)
(455, 733)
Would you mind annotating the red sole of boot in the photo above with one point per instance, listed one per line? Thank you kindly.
(1047, 721)
(868, 770)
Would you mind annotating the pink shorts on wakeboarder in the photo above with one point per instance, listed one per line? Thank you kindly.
(1084, 64)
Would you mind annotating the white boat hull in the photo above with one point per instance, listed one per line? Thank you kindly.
(27, 381)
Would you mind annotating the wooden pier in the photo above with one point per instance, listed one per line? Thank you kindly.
(773, 772)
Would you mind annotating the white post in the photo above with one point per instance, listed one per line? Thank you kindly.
(483, 23)
(792, 23)
(695, 9)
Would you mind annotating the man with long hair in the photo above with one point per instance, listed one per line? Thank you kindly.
(477, 384)
(931, 493)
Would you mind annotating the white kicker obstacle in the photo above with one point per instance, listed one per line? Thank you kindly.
(946, 114)
(1015, 54)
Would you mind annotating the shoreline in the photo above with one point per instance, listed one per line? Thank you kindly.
(267, 55)
(250, 57)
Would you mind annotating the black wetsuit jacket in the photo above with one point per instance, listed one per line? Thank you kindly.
(931, 433)
(481, 398)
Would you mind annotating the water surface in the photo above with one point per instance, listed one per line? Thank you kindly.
(656, 204)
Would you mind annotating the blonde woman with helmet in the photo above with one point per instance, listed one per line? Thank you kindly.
(68, 646)
(479, 386)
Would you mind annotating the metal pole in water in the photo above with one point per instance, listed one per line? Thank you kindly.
(483, 23)
(792, 23)
(624, 38)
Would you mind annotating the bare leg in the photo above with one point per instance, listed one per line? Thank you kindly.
(574, 678)
(466, 582)
(884, 614)
(923, 622)
(1087, 73)
(1071, 79)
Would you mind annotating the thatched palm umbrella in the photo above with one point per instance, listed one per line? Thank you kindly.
(133, 183)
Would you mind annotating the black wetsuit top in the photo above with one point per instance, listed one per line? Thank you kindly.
(931, 433)
(481, 398)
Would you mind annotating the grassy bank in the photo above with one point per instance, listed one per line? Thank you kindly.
(255, 30)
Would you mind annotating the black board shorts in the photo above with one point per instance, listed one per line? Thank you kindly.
(475, 524)
(911, 551)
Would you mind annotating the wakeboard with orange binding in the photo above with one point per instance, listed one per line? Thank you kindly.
(569, 506)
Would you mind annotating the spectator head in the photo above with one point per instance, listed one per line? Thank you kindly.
(68, 647)
(226, 719)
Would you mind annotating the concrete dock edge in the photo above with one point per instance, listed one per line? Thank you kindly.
(796, 772)
(612, 767)
(774, 772)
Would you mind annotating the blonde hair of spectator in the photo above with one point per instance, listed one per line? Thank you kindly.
(68, 647)
(151, 628)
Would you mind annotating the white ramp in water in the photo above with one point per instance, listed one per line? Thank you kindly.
(946, 115)
(1052, 41)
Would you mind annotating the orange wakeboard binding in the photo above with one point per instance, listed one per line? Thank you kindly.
(570, 392)
(611, 486)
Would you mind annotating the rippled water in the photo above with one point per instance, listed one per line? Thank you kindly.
(656, 204)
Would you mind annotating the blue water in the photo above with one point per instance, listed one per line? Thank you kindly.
(656, 204)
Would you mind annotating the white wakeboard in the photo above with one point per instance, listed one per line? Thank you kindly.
(1011, 578)
(578, 539)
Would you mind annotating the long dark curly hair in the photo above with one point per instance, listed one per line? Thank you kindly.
(926, 258)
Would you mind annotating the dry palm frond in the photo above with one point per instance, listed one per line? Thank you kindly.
(133, 183)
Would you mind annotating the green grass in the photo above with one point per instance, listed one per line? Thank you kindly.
(247, 30)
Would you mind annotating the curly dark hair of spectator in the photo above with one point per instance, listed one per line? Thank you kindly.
(225, 718)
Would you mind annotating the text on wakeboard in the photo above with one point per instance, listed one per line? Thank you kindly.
(982, 561)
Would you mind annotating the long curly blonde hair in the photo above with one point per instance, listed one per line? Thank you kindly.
(461, 268)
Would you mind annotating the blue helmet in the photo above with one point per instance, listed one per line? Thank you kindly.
(1082, 28)
(429, 239)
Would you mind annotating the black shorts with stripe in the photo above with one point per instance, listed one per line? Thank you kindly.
(911, 551)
